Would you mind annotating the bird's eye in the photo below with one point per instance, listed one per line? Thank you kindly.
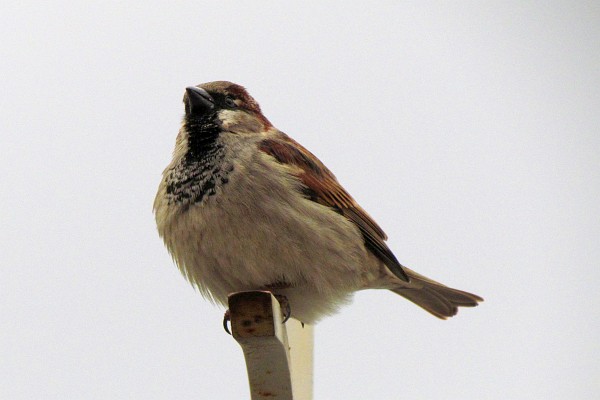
(229, 102)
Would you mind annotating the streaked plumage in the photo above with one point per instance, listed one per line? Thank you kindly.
(242, 206)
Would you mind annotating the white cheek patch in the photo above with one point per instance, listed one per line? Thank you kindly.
(230, 118)
(239, 121)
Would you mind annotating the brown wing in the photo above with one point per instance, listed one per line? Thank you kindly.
(323, 188)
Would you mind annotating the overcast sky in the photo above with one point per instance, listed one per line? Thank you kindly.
(469, 130)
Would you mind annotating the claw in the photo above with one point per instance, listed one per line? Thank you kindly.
(287, 314)
(226, 320)
(285, 305)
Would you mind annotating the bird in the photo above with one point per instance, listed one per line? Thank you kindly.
(242, 206)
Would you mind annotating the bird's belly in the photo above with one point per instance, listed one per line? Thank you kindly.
(259, 239)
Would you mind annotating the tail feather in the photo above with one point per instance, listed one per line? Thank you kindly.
(439, 300)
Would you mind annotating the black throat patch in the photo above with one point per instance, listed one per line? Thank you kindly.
(202, 169)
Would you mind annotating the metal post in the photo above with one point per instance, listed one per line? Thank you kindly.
(279, 365)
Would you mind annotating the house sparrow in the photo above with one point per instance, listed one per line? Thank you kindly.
(242, 206)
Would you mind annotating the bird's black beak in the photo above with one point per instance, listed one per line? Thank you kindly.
(198, 101)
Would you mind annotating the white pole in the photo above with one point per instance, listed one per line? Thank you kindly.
(301, 342)
(278, 366)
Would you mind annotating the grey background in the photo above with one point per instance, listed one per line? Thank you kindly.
(469, 130)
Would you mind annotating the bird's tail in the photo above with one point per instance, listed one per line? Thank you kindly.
(441, 301)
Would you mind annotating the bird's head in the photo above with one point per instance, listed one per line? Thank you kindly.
(220, 119)
(224, 104)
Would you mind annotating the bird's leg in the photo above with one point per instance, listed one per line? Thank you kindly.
(283, 301)
(285, 306)
(226, 320)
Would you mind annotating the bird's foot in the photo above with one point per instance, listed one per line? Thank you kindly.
(226, 320)
(285, 306)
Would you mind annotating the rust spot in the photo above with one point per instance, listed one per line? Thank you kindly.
(267, 394)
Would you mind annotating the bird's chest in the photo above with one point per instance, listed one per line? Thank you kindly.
(255, 212)
(195, 179)
(256, 228)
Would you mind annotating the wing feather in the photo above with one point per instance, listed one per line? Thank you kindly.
(323, 188)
